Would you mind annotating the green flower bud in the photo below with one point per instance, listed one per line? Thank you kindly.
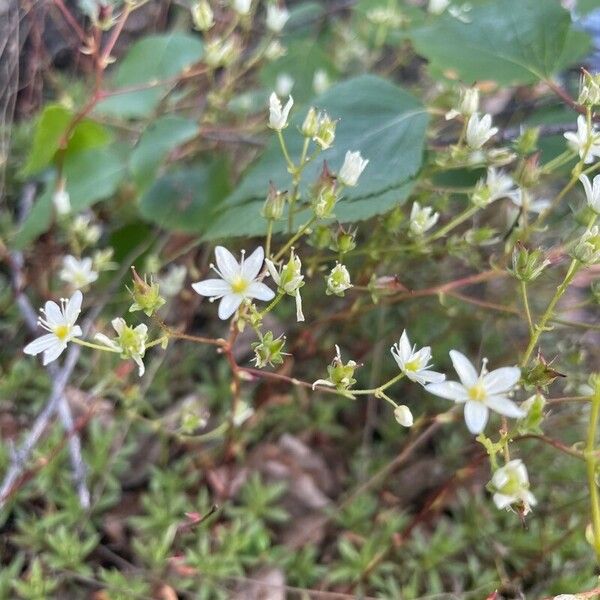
(146, 296)
(587, 250)
(274, 204)
(269, 351)
(310, 127)
(589, 94)
(325, 131)
(344, 241)
(202, 15)
(534, 414)
(527, 265)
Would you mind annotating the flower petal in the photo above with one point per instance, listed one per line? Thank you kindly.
(476, 416)
(40, 344)
(259, 291)
(252, 265)
(213, 288)
(430, 377)
(502, 500)
(465, 369)
(504, 406)
(53, 313)
(228, 266)
(404, 347)
(53, 352)
(450, 390)
(228, 305)
(501, 380)
(74, 307)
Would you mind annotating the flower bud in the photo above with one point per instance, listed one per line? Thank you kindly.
(61, 199)
(311, 123)
(242, 7)
(274, 204)
(344, 241)
(338, 281)
(422, 219)
(528, 173)
(403, 415)
(534, 414)
(103, 260)
(587, 250)
(277, 17)
(589, 94)
(269, 351)
(321, 237)
(202, 15)
(527, 265)
(219, 52)
(527, 142)
(325, 131)
(146, 296)
(351, 170)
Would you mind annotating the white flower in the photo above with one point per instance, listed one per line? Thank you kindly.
(479, 392)
(338, 281)
(403, 415)
(497, 185)
(415, 363)
(422, 219)
(354, 165)
(437, 7)
(61, 201)
(237, 282)
(284, 84)
(131, 342)
(60, 322)
(586, 142)
(242, 7)
(321, 81)
(289, 280)
(77, 273)
(468, 105)
(592, 191)
(276, 17)
(479, 131)
(278, 116)
(512, 486)
(275, 50)
(242, 413)
(522, 199)
(202, 15)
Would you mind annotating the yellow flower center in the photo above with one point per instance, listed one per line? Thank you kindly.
(238, 285)
(61, 332)
(477, 392)
(413, 365)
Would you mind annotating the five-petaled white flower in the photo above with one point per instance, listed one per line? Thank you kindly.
(497, 185)
(78, 272)
(415, 363)
(586, 142)
(479, 392)
(60, 322)
(422, 218)
(277, 17)
(592, 191)
(237, 282)
(278, 115)
(130, 341)
(511, 485)
(479, 131)
(354, 165)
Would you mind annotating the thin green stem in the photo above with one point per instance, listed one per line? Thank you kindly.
(268, 240)
(458, 220)
(526, 305)
(94, 346)
(294, 238)
(591, 463)
(286, 154)
(380, 389)
(157, 341)
(273, 304)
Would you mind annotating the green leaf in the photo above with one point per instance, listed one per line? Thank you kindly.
(376, 117)
(153, 58)
(185, 200)
(509, 41)
(90, 176)
(156, 142)
(51, 127)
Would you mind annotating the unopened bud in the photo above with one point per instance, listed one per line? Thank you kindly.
(146, 296)
(202, 15)
(274, 204)
(527, 265)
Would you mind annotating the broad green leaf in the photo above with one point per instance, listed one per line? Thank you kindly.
(186, 199)
(151, 59)
(90, 176)
(509, 41)
(158, 139)
(376, 117)
(50, 130)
